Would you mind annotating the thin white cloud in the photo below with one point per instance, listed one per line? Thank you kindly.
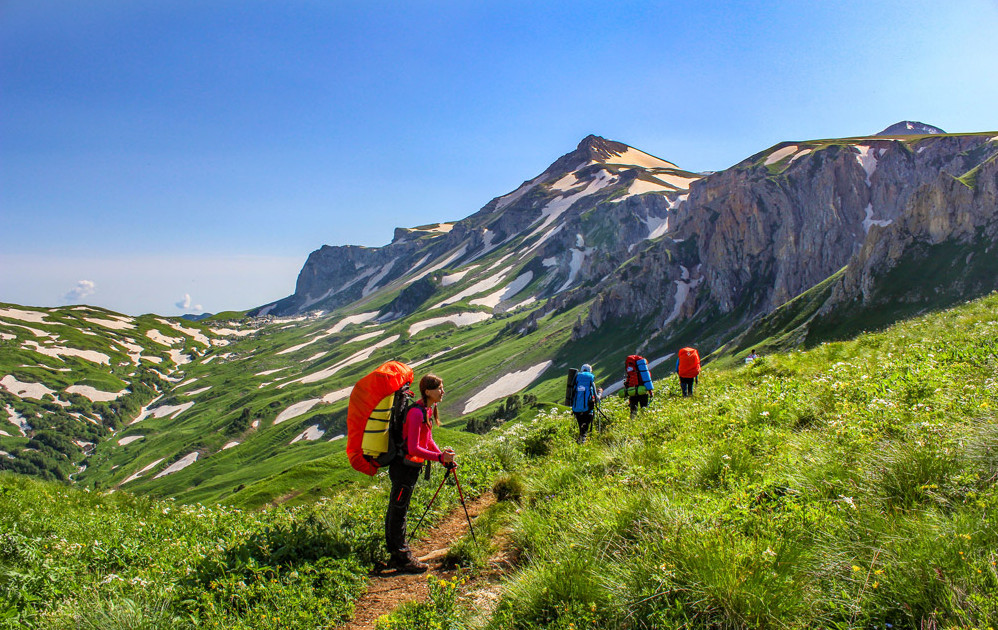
(185, 304)
(83, 289)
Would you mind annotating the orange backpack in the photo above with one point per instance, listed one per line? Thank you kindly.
(375, 415)
(688, 365)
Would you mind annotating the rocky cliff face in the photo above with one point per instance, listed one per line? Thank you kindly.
(750, 238)
(673, 254)
(551, 222)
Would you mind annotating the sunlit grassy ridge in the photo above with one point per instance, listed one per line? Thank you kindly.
(852, 485)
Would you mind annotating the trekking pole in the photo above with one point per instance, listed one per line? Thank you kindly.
(430, 504)
(465, 505)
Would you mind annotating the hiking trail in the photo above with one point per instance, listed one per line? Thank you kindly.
(386, 591)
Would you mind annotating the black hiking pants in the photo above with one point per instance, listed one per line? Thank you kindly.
(403, 478)
(585, 420)
(634, 401)
(686, 384)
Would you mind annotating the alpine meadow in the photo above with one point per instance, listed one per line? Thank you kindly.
(836, 465)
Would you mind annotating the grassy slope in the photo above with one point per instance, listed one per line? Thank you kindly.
(851, 485)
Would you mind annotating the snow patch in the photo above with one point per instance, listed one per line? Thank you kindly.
(460, 319)
(867, 160)
(94, 394)
(88, 355)
(341, 394)
(360, 318)
(311, 434)
(869, 220)
(567, 182)
(683, 288)
(161, 412)
(179, 465)
(143, 471)
(268, 372)
(578, 257)
(33, 317)
(479, 287)
(656, 226)
(198, 391)
(780, 154)
(354, 358)
(446, 281)
(28, 390)
(799, 155)
(229, 445)
(125, 441)
(296, 410)
(114, 324)
(372, 284)
(633, 157)
(505, 386)
(162, 339)
(18, 420)
(506, 292)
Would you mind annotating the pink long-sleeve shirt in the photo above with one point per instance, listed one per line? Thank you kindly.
(419, 434)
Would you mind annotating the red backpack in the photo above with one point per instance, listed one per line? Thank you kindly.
(688, 365)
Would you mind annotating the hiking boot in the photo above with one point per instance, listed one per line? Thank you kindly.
(408, 563)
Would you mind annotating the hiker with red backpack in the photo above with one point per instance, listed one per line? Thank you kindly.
(688, 369)
(404, 470)
(637, 382)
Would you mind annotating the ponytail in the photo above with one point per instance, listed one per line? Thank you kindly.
(428, 382)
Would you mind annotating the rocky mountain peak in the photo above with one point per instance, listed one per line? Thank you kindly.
(910, 128)
(600, 149)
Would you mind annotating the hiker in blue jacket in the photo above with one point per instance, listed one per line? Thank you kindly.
(584, 400)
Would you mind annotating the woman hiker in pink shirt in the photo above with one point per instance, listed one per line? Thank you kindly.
(404, 471)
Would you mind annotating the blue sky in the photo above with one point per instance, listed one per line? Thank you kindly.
(166, 156)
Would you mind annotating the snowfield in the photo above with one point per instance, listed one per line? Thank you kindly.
(310, 434)
(162, 339)
(867, 160)
(179, 465)
(94, 394)
(460, 319)
(505, 386)
(56, 352)
(506, 292)
(354, 358)
(33, 317)
(297, 409)
(779, 154)
(114, 324)
(27, 390)
(360, 318)
(143, 471)
(161, 412)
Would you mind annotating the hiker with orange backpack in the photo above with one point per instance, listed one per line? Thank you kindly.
(688, 369)
(404, 470)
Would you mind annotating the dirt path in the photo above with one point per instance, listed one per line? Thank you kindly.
(387, 591)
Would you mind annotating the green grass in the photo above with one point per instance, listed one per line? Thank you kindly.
(852, 484)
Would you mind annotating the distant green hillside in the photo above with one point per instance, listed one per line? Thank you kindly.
(850, 485)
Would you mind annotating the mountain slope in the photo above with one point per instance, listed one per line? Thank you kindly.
(605, 253)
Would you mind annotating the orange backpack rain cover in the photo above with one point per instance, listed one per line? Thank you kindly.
(366, 394)
(689, 363)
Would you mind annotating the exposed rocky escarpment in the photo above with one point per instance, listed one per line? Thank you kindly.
(752, 237)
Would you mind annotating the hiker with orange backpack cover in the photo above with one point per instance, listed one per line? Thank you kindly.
(404, 471)
(688, 369)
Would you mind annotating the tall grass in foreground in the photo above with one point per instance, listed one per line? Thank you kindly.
(850, 486)
(73, 559)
